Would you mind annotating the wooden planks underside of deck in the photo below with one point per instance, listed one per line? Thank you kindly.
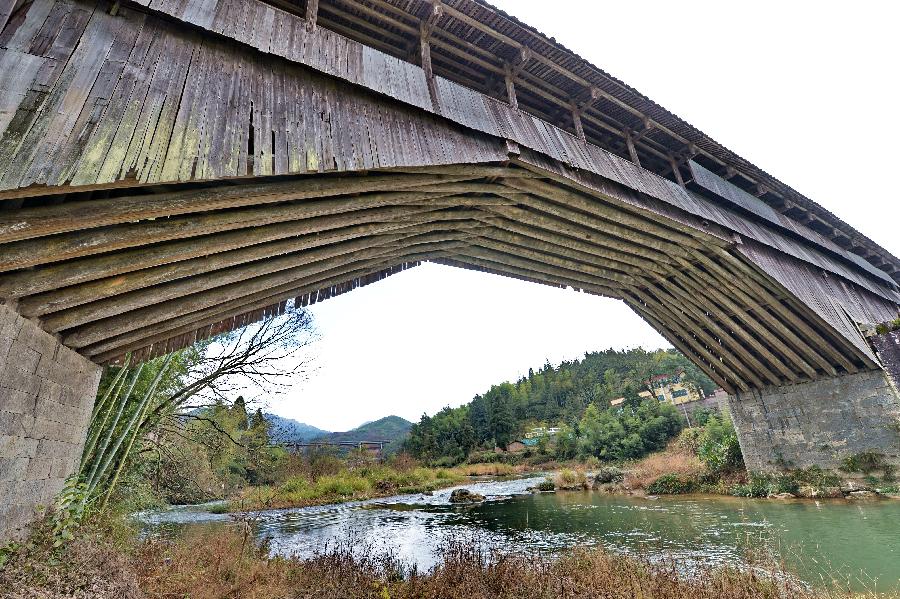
(149, 271)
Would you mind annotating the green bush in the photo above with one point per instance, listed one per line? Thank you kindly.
(546, 485)
(671, 484)
(816, 477)
(865, 462)
(785, 483)
(718, 446)
(609, 474)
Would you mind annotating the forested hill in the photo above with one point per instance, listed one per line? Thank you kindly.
(549, 396)
(389, 428)
(288, 430)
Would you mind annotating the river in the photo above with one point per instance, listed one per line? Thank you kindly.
(857, 541)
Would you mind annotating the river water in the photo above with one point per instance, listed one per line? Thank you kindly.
(854, 541)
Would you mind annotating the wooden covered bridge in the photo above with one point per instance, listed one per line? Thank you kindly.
(172, 169)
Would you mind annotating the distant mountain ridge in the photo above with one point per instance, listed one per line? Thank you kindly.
(288, 430)
(389, 428)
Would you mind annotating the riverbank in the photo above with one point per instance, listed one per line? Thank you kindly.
(367, 482)
(103, 563)
(678, 471)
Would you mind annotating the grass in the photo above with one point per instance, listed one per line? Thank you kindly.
(675, 460)
(347, 485)
(226, 564)
(569, 479)
(493, 469)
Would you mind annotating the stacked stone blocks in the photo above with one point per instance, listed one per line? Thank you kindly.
(818, 423)
(46, 395)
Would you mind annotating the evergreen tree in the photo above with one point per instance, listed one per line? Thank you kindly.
(239, 411)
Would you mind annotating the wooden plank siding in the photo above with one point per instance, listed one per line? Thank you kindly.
(172, 172)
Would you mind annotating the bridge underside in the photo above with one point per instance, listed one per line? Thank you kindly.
(161, 183)
(151, 269)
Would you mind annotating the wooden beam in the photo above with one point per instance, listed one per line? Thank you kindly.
(503, 268)
(505, 229)
(563, 238)
(676, 170)
(510, 87)
(27, 223)
(576, 122)
(312, 14)
(477, 248)
(636, 305)
(60, 275)
(614, 220)
(425, 28)
(670, 319)
(96, 331)
(115, 346)
(611, 278)
(629, 143)
(204, 260)
(718, 280)
(576, 224)
(187, 278)
(743, 274)
(674, 310)
(33, 252)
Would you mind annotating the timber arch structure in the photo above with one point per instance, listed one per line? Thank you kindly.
(170, 170)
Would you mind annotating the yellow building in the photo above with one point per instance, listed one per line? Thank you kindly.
(673, 388)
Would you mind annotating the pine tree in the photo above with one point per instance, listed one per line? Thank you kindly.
(239, 410)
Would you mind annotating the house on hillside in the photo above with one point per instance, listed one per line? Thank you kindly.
(542, 431)
(620, 400)
(673, 388)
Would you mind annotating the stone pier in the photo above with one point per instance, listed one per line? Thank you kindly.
(46, 395)
(818, 423)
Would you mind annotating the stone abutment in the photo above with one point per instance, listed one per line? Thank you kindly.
(47, 392)
(818, 423)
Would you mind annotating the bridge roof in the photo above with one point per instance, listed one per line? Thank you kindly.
(473, 42)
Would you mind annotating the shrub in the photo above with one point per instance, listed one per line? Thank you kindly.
(689, 439)
(546, 485)
(674, 460)
(817, 478)
(865, 462)
(609, 474)
(718, 445)
(671, 484)
(758, 485)
(570, 479)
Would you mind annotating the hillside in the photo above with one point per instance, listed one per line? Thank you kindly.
(389, 428)
(554, 396)
(288, 430)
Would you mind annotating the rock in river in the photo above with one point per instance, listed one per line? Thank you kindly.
(465, 496)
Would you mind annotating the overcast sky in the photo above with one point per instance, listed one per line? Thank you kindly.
(806, 90)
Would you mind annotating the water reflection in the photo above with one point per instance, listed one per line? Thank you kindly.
(823, 538)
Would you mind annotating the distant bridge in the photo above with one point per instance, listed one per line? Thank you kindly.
(379, 445)
(174, 170)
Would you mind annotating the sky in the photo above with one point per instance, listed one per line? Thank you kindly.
(805, 90)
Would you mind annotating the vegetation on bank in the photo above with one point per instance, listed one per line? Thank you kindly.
(325, 478)
(707, 459)
(108, 562)
(563, 396)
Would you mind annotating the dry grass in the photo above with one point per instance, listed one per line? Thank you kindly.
(92, 566)
(366, 482)
(495, 469)
(225, 565)
(674, 460)
(569, 479)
